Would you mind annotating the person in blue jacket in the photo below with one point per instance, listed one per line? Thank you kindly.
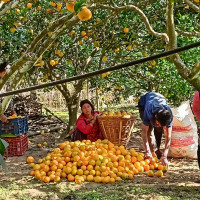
(156, 115)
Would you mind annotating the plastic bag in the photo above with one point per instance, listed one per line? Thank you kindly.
(184, 141)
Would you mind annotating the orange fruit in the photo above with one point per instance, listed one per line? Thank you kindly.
(46, 168)
(58, 173)
(57, 178)
(83, 33)
(67, 159)
(97, 179)
(155, 165)
(147, 161)
(106, 179)
(104, 174)
(92, 172)
(80, 172)
(70, 7)
(142, 163)
(70, 178)
(52, 176)
(30, 159)
(53, 168)
(67, 170)
(31, 164)
(46, 179)
(90, 178)
(160, 167)
(137, 164)
(92, 162)
(159, 173)
(126, 30)
(165, 169)
(78, 181)
(63, 175)
(76, 158)
(133, 159)
(146, 167)
(32, 173)
(150, 173)
(60, 166)
(29, 5)
(151, 166)
(140, 158)
(54, 162)
(38, 8)
(86, 172)
(63, 145)
(85, 14)
(89, 167)
(36, 167)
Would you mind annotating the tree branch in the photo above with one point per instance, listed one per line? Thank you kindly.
(194, 72)
(7, 7)
(192, 5)
(189, 34)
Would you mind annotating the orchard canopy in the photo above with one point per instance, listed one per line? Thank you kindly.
(47, 40)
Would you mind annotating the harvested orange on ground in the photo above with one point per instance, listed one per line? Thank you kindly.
(30, 159)
(150, 173)
(159, 173)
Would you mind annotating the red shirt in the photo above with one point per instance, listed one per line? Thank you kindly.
(196, 106)
(93, 132)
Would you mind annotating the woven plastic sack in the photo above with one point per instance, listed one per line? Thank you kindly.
(184, 141)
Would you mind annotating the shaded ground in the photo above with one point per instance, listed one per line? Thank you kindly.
(178, 182)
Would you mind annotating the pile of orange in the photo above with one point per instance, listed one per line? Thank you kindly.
(99, 161)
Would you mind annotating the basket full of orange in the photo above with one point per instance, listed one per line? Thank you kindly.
(117, 126)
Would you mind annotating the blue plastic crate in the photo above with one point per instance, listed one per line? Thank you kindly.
(17, 126)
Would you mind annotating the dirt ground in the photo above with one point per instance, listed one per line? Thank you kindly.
(177, 183)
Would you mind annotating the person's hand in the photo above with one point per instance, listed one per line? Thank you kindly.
(148, 155)
(164, 161)
(97, 114)
(4, 119)
(153, 154)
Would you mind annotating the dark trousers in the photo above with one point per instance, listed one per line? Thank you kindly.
(158, 132)
(198, 155)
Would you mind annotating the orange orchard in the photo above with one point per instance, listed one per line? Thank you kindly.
(100, 161)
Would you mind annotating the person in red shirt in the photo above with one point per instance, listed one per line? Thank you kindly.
(196, 111)
(87, 126)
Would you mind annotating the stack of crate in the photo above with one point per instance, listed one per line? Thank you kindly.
(15, 133)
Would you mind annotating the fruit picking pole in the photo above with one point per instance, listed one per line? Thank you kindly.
(116, 67)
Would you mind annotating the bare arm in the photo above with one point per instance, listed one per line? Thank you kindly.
(168, 133)
(145, 140)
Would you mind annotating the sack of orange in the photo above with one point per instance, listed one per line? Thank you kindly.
(99, 161)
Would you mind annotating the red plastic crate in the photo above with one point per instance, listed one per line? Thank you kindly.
(17, 145)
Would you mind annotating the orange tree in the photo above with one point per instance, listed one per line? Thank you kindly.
(45, 39)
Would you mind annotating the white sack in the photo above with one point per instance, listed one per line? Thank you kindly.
(184, 141)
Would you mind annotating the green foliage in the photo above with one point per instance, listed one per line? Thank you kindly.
(78, 5)
(105, 31)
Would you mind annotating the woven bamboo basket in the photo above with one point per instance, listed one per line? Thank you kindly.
(117, 129)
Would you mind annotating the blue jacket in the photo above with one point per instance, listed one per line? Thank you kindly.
(152, 102)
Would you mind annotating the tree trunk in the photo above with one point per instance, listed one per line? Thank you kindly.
(72, 110)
